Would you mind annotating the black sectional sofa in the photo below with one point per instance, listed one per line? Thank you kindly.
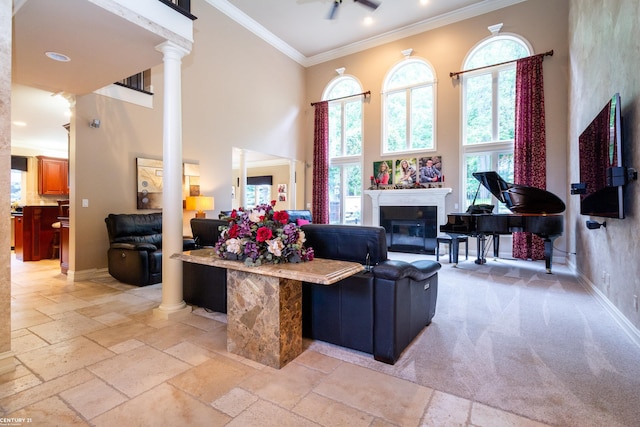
(378, 311)
(204, 285)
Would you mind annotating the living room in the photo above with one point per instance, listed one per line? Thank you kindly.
(227, 104)
(212, 129)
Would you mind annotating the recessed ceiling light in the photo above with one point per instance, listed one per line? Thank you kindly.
(424, 2)
(60, 57)
(368, 21)
(19, 123)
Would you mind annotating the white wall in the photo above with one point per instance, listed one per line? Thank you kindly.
(237, 91)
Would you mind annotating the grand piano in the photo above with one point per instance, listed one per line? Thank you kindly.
(534, 210)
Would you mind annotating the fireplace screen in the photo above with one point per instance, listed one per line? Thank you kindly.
(410, 229)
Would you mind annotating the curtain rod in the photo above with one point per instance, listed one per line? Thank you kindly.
(313, 104)
(457, 73)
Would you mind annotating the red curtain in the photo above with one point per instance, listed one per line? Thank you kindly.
(320, 182)
(530, 151)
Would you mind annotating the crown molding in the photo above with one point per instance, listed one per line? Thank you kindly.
(420, 27)
(250, 24)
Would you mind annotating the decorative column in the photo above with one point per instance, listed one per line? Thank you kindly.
(173, 304)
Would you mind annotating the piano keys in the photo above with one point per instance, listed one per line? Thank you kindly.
(536, 211)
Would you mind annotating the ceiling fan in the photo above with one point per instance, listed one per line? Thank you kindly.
(368, 3)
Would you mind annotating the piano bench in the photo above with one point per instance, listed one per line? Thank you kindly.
(452, 241)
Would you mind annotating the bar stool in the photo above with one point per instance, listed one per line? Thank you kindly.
(55, 241)
(448, 240)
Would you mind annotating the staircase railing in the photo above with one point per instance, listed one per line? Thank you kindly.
(182, 6)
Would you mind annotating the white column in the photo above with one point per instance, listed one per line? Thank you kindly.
(173, 303)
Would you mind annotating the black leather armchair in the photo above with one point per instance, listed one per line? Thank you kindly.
(135, 248)
(378, 311)
(204, 285)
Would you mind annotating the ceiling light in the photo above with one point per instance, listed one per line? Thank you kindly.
(60, 57)
(368, 20)
(424, 2)
(19, 123)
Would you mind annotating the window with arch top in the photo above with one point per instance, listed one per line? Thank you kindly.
(409, 107)
(488, 112)
(345, 150)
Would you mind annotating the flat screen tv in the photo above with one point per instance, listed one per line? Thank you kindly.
(600, 152)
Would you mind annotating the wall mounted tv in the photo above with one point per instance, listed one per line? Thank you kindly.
(602, 175)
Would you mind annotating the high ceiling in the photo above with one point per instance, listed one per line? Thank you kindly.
(304, 27)
(102, 45)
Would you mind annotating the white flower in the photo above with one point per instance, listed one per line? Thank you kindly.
(275, 246)
(255, 215)
(234, 246)
(301, 237)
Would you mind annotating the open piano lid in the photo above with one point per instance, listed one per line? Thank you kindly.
(520, 199)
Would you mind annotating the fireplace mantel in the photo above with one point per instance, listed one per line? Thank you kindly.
(409, 197)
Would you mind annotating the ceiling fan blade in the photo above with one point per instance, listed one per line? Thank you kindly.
(334, 9)
(371, 4)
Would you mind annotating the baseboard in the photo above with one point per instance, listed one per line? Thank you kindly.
(620, 318)
(92, 273)
(7, 362)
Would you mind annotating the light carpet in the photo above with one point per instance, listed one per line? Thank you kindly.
(508, 335)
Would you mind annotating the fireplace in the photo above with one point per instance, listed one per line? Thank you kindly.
(416, 229)
(410, 228)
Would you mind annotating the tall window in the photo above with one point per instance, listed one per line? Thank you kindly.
(16, 185)
(345, 151)
(409, 113)
(488, 116)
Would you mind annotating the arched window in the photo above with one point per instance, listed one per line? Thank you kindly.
(488, 113)
(409, 107)
(345, 150)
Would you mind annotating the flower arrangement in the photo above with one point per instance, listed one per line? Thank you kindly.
(262, 236)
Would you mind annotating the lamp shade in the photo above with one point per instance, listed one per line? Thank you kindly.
(199, 203)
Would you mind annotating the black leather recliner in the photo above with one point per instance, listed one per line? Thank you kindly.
(378, 311)
(205, 285)
(135, 248)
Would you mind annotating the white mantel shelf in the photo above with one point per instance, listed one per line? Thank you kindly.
(409, 197)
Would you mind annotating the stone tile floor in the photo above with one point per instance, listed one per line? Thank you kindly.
(91, 353)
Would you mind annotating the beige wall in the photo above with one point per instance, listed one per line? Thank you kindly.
(541, 22)
(6, 360)
(604, 59)
(237, 91)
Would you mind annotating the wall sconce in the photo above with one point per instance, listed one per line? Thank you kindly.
(95, 123)
(199, 204)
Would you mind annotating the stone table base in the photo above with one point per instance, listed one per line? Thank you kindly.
(264, 317)
(264, 303)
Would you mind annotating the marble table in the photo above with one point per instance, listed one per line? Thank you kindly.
(264, 303)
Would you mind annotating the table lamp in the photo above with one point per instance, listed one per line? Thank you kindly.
(199, 204)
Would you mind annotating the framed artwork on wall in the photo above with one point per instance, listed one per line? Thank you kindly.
(149, 189)
(190, 180)
(149, 182)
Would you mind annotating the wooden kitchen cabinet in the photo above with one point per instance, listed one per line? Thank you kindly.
(34, 232)
(53, 176)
